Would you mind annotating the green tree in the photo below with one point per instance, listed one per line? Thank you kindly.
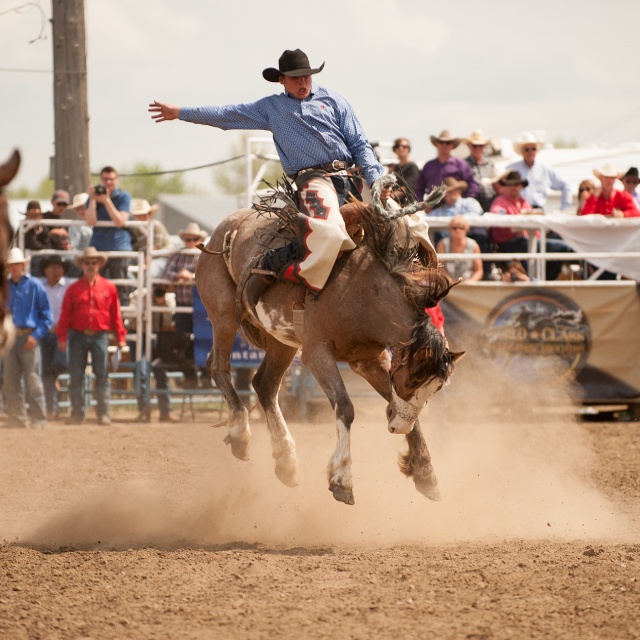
(231, 176)
(148, 181)
(43, 191)
(564, 143)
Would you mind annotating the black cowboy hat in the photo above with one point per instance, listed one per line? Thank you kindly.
(511, 178)
(632, 172)
(291, 63)
(55, 259)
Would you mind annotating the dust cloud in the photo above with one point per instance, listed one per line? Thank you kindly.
(511, 460)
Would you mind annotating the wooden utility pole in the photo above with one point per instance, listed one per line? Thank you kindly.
(71, 109)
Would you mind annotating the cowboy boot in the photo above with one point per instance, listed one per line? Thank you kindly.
(254, 289)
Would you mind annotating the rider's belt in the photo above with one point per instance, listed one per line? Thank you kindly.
(335, 165)
(89, 332)
(23, 331)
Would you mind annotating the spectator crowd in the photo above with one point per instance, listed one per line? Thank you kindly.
(66, 301)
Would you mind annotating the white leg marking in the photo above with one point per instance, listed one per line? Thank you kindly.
(340, 463)
(283, 448)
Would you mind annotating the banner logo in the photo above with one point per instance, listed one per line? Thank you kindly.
(538, 335)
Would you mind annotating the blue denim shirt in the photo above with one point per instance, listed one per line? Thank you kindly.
(29, 306)
(110, 239)
(321, 128)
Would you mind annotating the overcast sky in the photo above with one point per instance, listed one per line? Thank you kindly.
(409, 67)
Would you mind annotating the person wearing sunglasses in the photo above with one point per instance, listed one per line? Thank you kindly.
(458, 242)
(540, 177)
(445, 166)
(406, 171)
(90, 311)
(59, 202)
(585, 190)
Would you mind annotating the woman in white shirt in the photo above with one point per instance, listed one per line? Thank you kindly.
(458, 242)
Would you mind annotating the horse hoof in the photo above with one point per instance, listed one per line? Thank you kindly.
(288, 478)
(239, 449)
(342, 495)
(428, 488)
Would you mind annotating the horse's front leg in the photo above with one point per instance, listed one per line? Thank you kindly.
(376, 372)
(323, 366)
(416, 464)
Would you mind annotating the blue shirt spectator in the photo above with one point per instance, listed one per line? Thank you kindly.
(31, 313)
(29, 306)
(108, 238)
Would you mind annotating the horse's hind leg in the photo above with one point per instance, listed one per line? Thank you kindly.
(416, 464)
(266, 382)
(218, 294)
(219, 367)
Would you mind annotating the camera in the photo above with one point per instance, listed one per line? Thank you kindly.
(100, 190)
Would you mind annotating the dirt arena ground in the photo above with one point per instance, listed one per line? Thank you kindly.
(156, 531)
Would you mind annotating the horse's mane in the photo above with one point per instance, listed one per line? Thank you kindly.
(390, 244)
(422, 286)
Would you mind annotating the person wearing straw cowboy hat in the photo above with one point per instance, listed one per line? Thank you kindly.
(630, 181)
(445, 166)
(54, 362)
(610, 201)
(181, 270)
(484, 170)
(79, 235)
(31, 315)
(540, 176)
(322, 147)
(90, 310)
(142, 211)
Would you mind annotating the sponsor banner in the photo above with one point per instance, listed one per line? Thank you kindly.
(243, 354)
(539, 333)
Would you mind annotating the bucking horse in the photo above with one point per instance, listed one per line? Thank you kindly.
(7, 172)
(370, 314)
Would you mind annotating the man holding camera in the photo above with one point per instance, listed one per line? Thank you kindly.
(108, 203)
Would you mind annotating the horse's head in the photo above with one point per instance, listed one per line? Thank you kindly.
(418, 370)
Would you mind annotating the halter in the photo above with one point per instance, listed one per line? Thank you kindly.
(411, 407)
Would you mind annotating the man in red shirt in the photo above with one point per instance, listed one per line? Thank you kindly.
(90, 310)
(610, 202)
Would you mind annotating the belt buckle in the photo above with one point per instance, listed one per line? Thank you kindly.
(336, 165)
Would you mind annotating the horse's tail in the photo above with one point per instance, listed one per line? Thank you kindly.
(253, 335)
